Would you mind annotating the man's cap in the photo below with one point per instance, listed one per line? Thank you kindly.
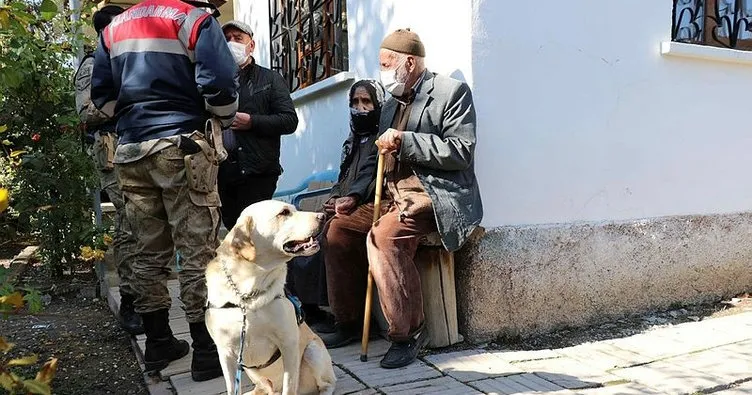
(243, 27)
(404, 41)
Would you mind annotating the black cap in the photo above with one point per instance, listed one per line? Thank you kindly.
(103, 17)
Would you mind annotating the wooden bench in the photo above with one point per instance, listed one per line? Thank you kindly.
(436, 269)
(314, 203)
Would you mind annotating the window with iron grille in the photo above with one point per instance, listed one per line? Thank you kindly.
(718, 23)
(308, 40)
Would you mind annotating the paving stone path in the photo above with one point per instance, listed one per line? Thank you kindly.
(709, 356)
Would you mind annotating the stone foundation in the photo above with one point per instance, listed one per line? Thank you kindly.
(524, 280)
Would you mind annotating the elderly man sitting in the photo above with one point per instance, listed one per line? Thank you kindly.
(428, 134)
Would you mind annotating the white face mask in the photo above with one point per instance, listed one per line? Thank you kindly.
(391, 82)
(238, 52)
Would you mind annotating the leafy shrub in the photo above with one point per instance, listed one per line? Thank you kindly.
(43, 164)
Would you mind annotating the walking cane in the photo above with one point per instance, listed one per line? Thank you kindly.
(369, 287)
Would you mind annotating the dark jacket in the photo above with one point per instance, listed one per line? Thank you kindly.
(357, 170)
(439, 145)
(162, 68)
(264, 95)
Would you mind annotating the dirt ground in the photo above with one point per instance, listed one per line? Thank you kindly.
(94, 354)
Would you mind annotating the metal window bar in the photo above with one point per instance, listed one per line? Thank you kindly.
(720, 23)
(308, 40)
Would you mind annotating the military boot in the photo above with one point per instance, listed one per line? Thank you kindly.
(161, 346)
(205, 364)
(129, 320)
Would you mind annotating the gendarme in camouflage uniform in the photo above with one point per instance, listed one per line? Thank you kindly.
(163, 68)
(169, 215)
(103, 139)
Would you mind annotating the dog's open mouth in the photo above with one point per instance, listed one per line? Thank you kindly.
(298, 246)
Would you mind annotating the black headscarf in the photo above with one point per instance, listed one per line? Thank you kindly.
(363, 123)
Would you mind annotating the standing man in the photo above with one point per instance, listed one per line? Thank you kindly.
(428, 134)
(265, 113)
(101, 132)
(163, 68)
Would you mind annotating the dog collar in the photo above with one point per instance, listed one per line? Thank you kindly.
(244, 297)
(227, 305)
(268, 363)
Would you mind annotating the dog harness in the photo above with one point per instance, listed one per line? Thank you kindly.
(299, 313)
(246, 298)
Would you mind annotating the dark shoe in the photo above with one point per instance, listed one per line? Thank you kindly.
(343, 335)
(325, 326)
(205, 364)
(129, 320)
(312, 312)
(161, 346)
(319, 320)
(404, 353)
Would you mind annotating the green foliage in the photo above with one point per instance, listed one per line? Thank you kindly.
(33, 300)
(10, 381)
(53, 188)
(43, 166)
(42, 159)
(13, 300)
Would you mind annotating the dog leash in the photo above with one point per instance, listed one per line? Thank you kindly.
(246, 298)
(277, 354)
(239, 370)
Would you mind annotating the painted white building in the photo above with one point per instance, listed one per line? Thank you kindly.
(614, 163)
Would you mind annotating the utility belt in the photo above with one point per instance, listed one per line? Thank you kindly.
(203, 153)
(103, 150)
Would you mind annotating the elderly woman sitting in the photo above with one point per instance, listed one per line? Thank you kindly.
(355, 186)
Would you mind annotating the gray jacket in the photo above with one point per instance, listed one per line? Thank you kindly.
(439, 144)
(94, 119)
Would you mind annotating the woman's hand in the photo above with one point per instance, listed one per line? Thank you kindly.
(345, 205)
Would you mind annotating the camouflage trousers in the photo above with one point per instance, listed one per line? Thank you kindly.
(168, 216)
(123, 242)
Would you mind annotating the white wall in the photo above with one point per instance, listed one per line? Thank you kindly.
(444, 26)
(324, 119)
(256, 14)
(581, 118)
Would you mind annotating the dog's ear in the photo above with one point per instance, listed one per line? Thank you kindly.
(241, 243)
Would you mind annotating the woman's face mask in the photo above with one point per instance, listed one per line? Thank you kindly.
(238, 51)
(364, 122)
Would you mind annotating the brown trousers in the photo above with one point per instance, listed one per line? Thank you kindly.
(390, 247)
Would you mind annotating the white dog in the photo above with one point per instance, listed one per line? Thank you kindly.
(280, 355)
